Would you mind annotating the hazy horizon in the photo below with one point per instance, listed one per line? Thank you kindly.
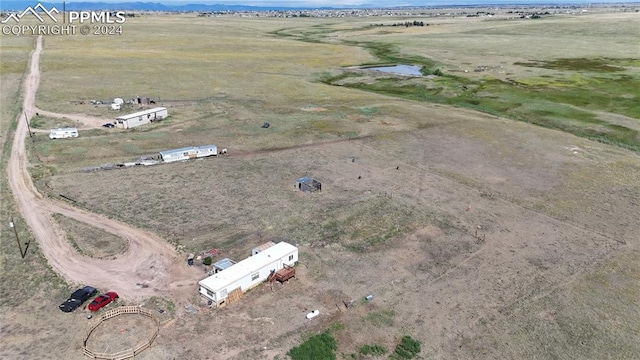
(351, 3)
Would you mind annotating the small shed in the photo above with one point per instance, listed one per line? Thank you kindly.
(262, 247)
(308, 184)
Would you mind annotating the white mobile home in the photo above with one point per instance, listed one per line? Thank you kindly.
(207, 150)
(185, 153)
(141, 117)
(248, 273)
(63, 133)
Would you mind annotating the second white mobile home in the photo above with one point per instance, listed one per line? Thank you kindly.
(187, 153)
(141, 117)
(248, 273)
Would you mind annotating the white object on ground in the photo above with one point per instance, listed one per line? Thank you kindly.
(313, 314)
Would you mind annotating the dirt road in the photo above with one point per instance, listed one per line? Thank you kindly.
(88, 122)
(149, 267)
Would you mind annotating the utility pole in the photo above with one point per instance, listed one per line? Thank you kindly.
(27, 120)
(15, 231)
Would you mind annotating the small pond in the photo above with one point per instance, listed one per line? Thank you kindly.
(399, 69)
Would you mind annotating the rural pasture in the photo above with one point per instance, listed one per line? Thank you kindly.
(492, 211)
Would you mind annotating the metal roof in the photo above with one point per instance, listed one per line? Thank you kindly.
(223, 264)
(139, 113)
(305, 179)
(181, 150)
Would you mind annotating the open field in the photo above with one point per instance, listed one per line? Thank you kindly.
(527, 153)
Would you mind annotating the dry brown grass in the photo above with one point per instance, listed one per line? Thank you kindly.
(91, 241)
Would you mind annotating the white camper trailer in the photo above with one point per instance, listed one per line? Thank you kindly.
(63, 133)
(141, 117)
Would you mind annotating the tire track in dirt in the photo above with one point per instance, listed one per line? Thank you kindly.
(294, 147)
(89, 122)
(147, 268)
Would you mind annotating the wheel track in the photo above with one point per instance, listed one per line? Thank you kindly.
(147, 268)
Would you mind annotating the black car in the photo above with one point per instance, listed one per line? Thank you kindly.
(77, 298)
(109, 125)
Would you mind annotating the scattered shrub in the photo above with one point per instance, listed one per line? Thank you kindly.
(317, 347)
(207, 260)
(407, 349)
(374, 349)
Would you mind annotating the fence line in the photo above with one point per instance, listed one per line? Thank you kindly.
(128, 353)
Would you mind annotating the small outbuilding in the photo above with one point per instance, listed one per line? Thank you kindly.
(141, 117)
(262, 247)
(308, 184)
(248, 273)
(222, 265)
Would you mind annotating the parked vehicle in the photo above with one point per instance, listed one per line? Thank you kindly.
(102, 300)
(109, 125)
(78, 298)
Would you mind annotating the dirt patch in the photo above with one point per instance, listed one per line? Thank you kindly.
(122, 332)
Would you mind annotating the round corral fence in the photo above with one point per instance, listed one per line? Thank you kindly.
(128, 353)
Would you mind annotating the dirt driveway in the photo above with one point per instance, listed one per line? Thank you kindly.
(150, 266)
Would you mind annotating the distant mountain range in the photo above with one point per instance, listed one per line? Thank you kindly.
(138, 6)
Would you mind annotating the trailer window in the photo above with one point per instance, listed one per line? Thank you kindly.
(254, 276)
(290, 257)
(223, 294)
